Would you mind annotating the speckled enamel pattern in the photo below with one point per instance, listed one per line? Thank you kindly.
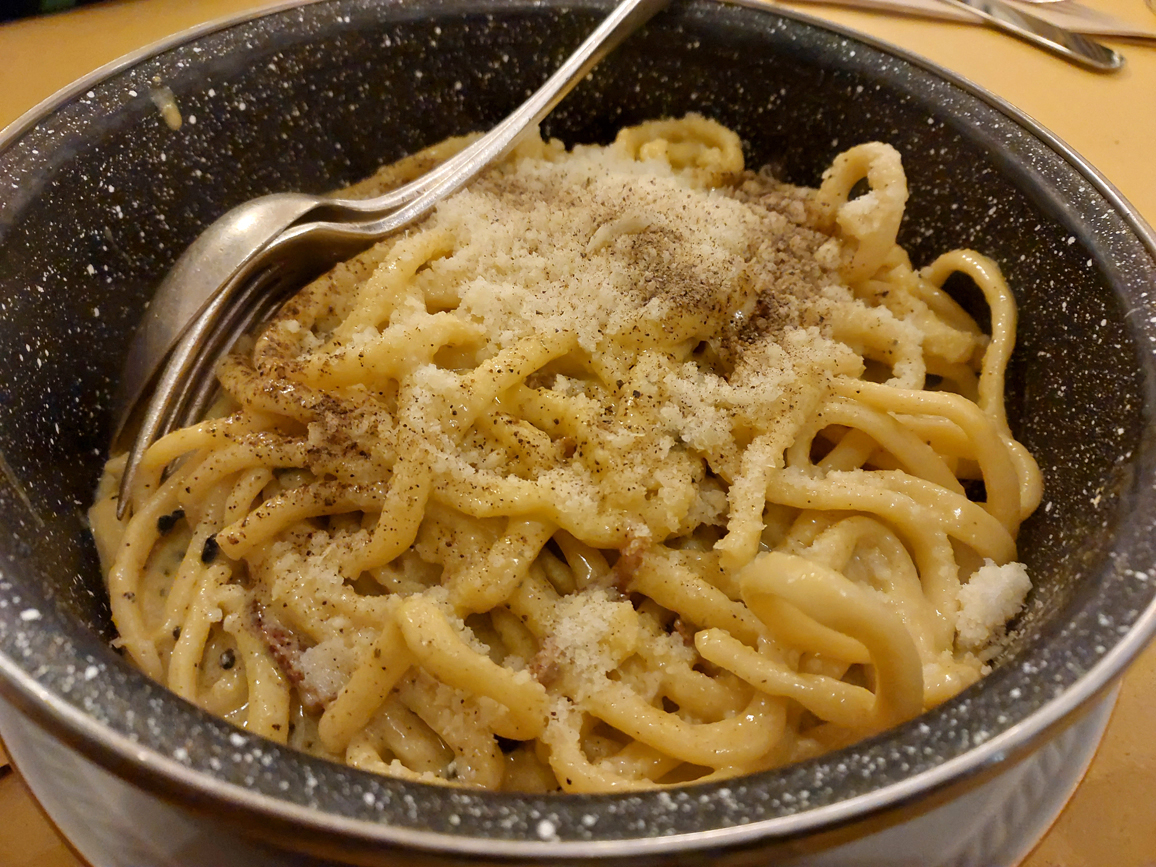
(98, 196)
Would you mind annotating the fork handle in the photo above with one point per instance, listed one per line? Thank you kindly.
(209, 331)
(450, 176)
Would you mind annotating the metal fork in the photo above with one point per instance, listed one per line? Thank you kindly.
(241, 268)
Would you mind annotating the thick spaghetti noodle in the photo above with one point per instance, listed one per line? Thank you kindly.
(628, 467)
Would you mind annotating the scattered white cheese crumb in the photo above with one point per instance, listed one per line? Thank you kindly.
(992, 597)
(593, 633)
(327, 666)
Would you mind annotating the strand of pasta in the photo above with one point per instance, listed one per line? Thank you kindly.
(916, 456)
(869, 224)
(908, 505)
(987, 276)
(396, 730)
(1004, 491)
(830, 598)
(472, 538)
(737, 741)
(367, 688)
(124, 578)
(460, 721)
(202, 612)
(676, 588)
(441, 651)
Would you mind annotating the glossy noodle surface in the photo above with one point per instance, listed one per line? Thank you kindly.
(628, 467)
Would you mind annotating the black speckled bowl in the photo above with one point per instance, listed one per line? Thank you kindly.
(98, 194)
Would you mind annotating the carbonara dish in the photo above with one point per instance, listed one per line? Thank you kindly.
(628, 467)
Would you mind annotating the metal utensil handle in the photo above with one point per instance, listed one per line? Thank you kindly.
(168, 398)
(624, 20)
(1072, 46)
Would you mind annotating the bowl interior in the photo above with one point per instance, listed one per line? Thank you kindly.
(100, 195)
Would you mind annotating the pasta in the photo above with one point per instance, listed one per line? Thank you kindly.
(629, 467)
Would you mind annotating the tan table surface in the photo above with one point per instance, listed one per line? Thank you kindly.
(1110, 120)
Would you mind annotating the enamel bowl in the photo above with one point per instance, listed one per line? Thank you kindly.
(100, 194)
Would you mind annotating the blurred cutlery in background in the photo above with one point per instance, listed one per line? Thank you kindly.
(1072, 46)
(1061, 13)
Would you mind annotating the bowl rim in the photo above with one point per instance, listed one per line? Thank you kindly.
(168, 777)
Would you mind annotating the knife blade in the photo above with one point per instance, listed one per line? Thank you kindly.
(1072, 46)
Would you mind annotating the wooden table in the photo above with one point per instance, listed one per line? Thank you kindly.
(1110, 120)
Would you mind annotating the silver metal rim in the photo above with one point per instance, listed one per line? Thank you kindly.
(114, 751)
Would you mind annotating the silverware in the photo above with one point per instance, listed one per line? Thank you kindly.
(238, 271)
(1064, 13)
(1072, 46)
(1084, 19)
(1071, 7)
